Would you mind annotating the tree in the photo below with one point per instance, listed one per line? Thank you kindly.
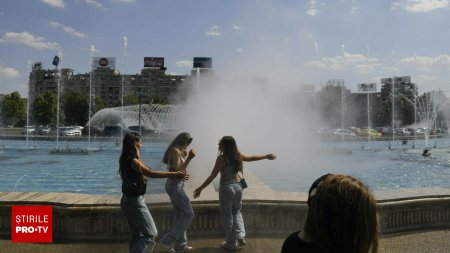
(13, 110)
(128, 100)
(44, 108)
(159, 100)
(76, 108)
(99, 104)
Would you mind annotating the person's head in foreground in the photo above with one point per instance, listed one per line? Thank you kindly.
(342, 215)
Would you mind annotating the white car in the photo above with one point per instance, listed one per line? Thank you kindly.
(77, 130)
(344, 132)
(67, 131)
(28, 129)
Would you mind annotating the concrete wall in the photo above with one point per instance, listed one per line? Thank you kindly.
(88, 217)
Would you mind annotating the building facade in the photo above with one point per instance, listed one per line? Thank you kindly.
(106, 82)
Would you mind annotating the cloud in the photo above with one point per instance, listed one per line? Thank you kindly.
(420, 5)
(67, 29)
(184, 64)
(426, 62)
(312, 8)
(239, 50)
(213, 31)
(237, 28)
(29, 40)
(365, 68)
(94, 3)
(8, 73)
(442, 59)
(54, 3)
(423, 78)
(359, 62)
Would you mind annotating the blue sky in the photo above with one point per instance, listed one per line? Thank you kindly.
(288, 41)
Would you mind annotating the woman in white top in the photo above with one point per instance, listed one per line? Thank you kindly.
(175, 157)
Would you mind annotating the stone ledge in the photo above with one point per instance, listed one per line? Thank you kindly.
(84, 217)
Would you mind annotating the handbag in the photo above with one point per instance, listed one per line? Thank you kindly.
(243, 182)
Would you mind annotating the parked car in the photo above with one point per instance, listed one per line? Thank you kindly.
(42, 130)
(67, 131)
(77, 130)
(344, 133)
(402, 132)
(368, 132)
(28, 129)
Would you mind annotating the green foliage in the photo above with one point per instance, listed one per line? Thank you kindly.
(99, 104)
(128, 100)
(159, 100)
(44, 109)
(13, 110)
(76, 108)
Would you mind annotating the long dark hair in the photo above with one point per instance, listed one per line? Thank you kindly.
(129, 151)
(231, 153)
(181, 139)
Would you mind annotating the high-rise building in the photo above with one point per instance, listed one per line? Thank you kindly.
(106, 82)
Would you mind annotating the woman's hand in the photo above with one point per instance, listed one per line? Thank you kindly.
(182, 175)
(271, 156)
(191, 154)
(197, 192)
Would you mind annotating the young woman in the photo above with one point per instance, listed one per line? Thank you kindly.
(229, 163)
(134, 173)
(342, 217)
(175, 158)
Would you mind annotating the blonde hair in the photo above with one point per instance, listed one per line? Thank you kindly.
(180, 140)
(342, 215)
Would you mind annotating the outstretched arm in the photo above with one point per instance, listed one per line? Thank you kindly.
(251, 158)
(215, 171)
(147, 171)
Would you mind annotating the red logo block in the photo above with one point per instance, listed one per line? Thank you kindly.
(31, 224)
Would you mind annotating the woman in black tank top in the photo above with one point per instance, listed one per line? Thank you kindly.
(134, 173)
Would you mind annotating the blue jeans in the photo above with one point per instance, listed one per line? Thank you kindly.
(142, 227)
(230, 198)
(183, 214)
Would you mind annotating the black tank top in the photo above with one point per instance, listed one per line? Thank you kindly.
(133, 182)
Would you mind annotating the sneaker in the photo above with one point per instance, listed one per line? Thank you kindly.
(226, 246)
(168, 248)
(240, 242)
(185, 249)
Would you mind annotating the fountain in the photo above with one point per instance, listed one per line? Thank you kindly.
(153, 116)
(62, 150)
(27, 146)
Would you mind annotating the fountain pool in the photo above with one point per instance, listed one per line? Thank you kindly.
(34, 170)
